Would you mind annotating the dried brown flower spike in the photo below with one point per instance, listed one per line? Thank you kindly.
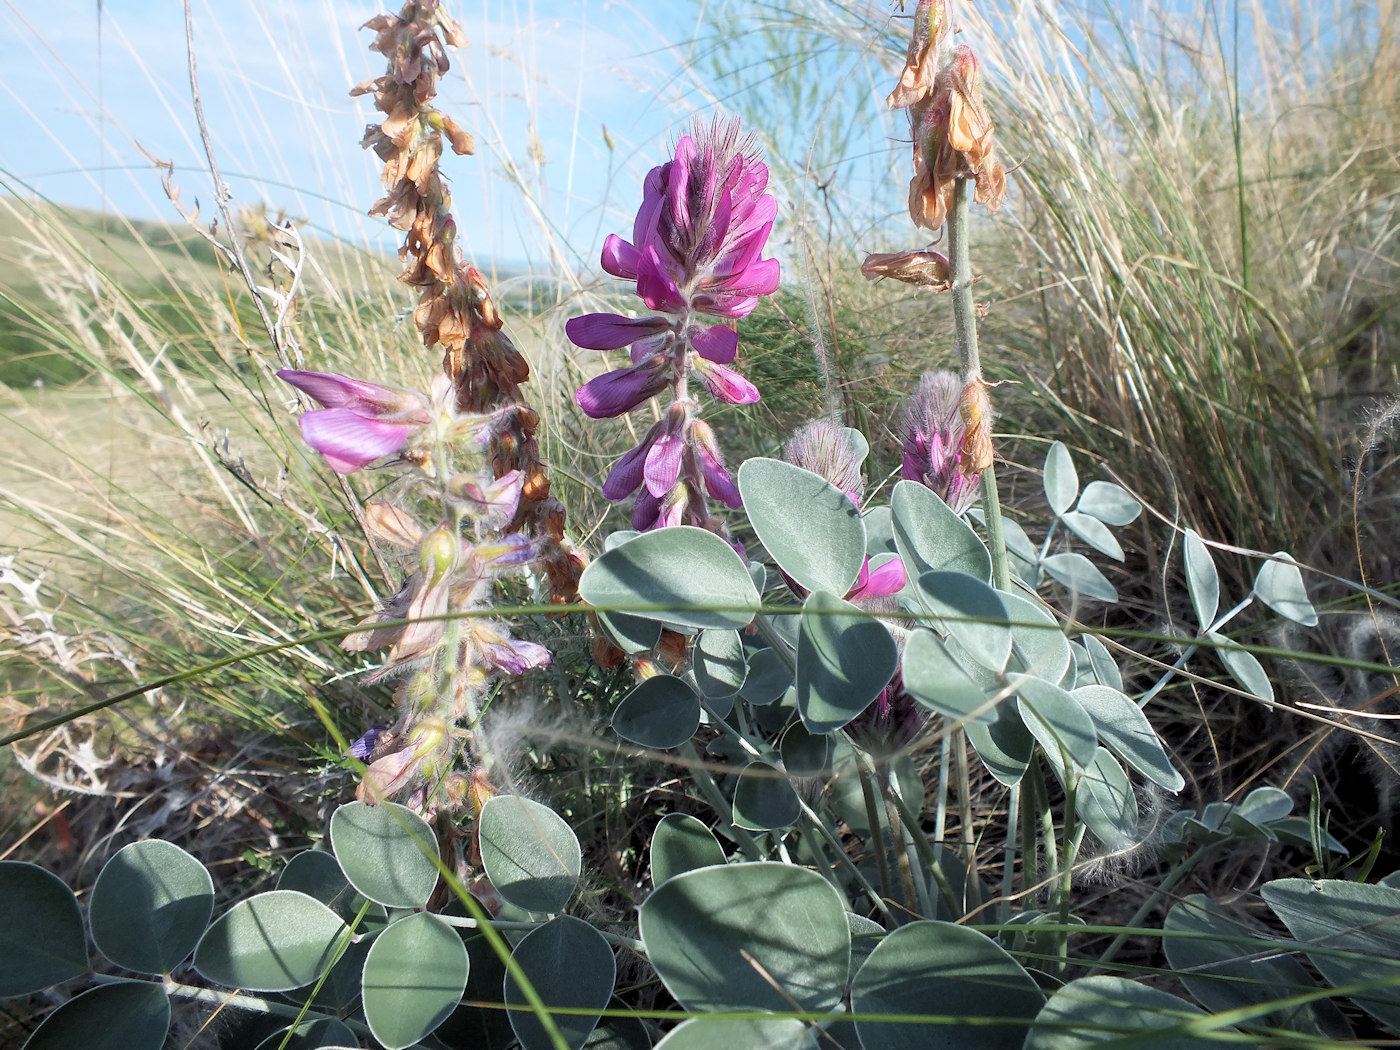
(454, 310)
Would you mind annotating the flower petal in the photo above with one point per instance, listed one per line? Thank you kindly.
(514, 656)
(718, 483)
(337, 391)
(350, 441)
(663, 462)
(620, 257)
(888, 579)
(717, 344)
(614, 393)
(656, 286)
(611, 331)
(629, 471)
(726, 384)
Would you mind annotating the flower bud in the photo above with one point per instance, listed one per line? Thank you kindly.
(438, 554)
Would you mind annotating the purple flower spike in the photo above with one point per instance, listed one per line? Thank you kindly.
(361, 421)
(696, 248)
(615, 393)
(934, 432)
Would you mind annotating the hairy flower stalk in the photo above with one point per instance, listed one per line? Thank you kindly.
(455, 309)
(695, 253)
(955, 163)
(469, 450)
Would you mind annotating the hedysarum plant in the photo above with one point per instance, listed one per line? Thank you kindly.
(455, 309)
(695, 251)
(468, 443)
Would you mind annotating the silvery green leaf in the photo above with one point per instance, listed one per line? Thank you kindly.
(970, 611)
(809, 526)
(748, 936)
(1201, 579)
(930, 536)
(764, 800)
(1061, 479)
(845, 657)
(720, 663)
(1244, 668)
(1107, 804)
(662, 712)
(1059, 724)
(1017, 542)
(1125, 729)
(1354, 931)
(936, 680)
(1105, 668)
(1110, 503)
(1080, 575)
(1093, 532)
(681, 575)
(1279, 585)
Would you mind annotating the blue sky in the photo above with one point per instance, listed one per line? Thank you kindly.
(540, 80)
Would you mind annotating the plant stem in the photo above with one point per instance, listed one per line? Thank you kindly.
(868, 790)
(1182, 868)
(974, 881)
(965, 335)
(930, 856)
(723, 809)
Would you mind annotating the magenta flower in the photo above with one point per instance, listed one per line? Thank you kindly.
(695, 250)
(934, 431)
(360, 421)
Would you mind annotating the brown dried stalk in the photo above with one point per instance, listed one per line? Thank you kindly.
(455, 310)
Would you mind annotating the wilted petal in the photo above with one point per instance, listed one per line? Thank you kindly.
(350, 441)
(387, 776)
(717, 344)
(726, 384)
(390, 523)
(495, 504)
(620, 391)
(514, 656)
(611, 331)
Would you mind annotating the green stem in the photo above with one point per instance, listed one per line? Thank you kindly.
(909, 872)
(868, 790)
(723, 809)
(965, 336)
(930, 857)
(1182, 868)
(834, 844)
(974, 880)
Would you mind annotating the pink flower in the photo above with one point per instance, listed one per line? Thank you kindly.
(934, 433)
(696, 248)
(360, 421)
